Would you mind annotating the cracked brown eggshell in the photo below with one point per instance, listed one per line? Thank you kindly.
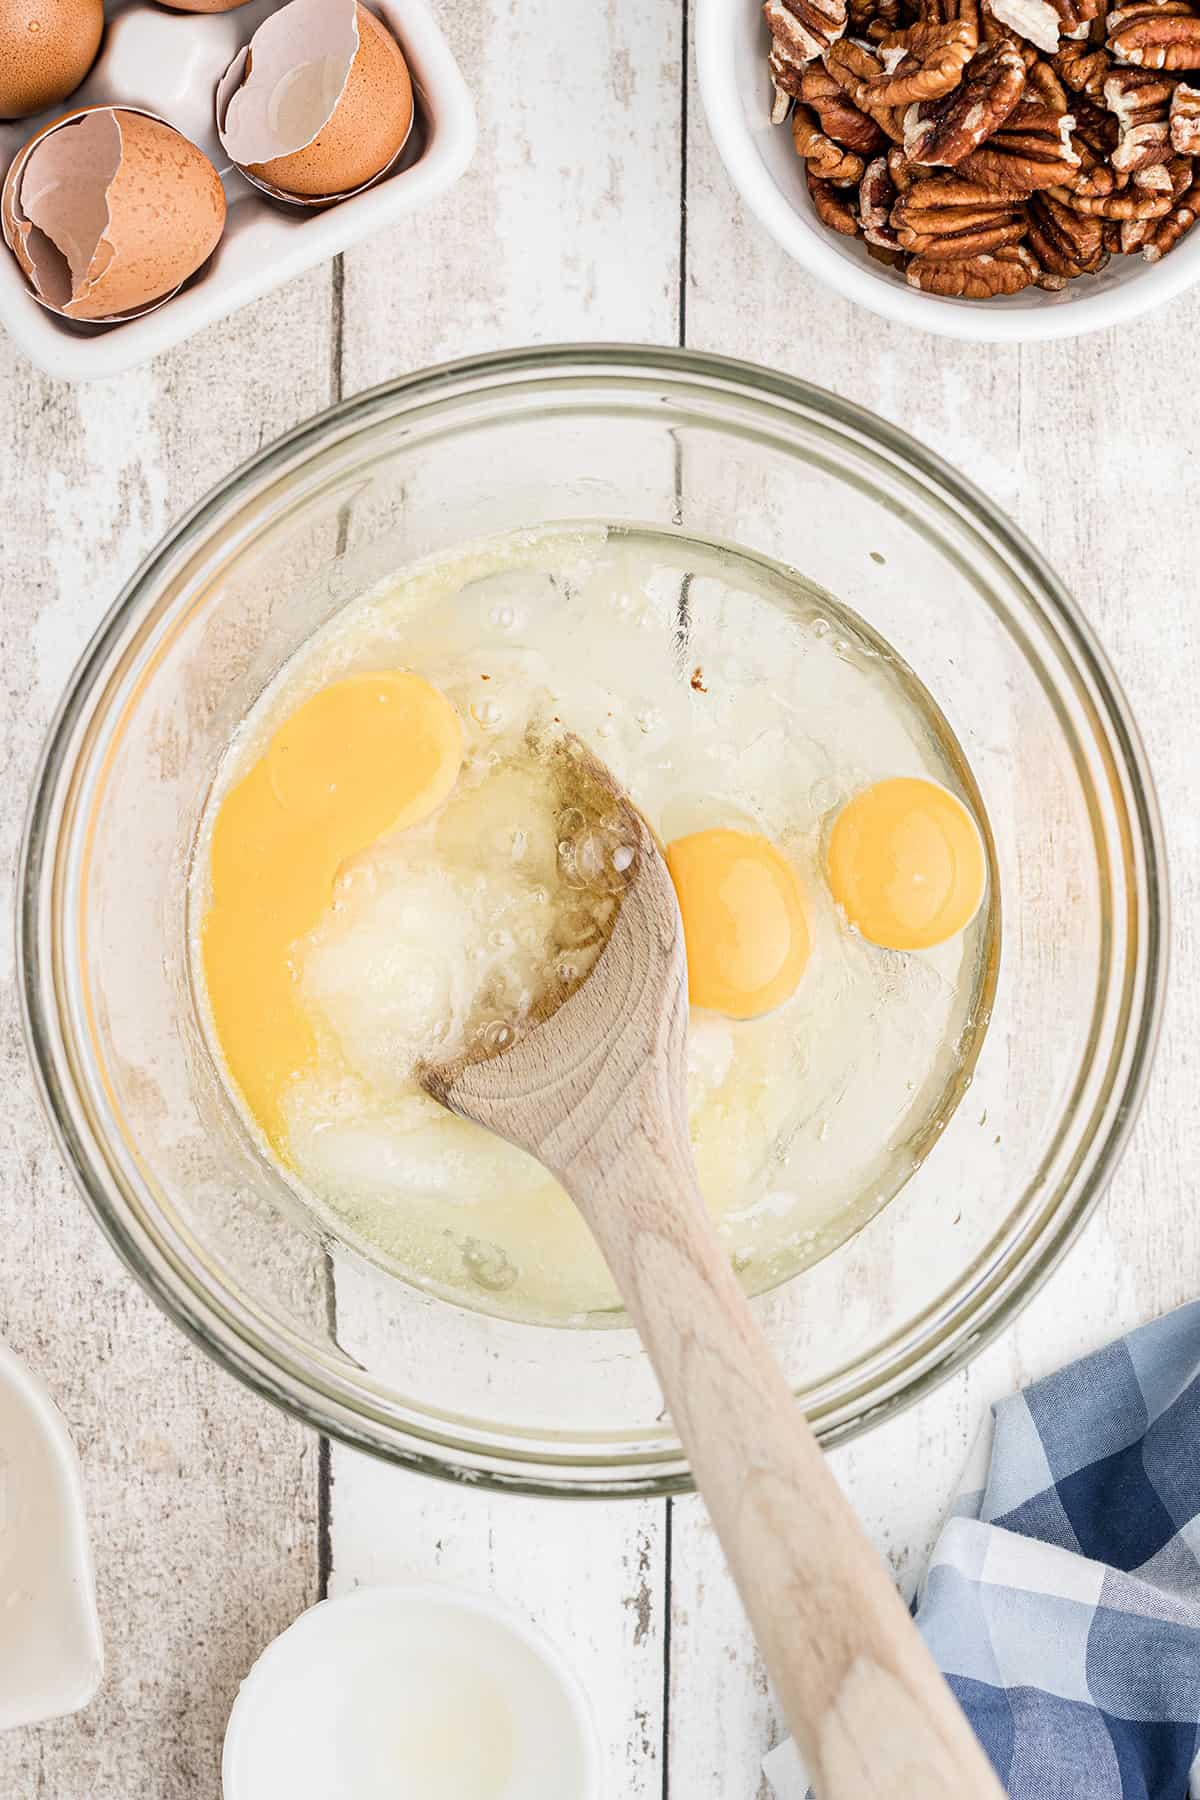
(319, 104)
(108, 211)
(46, 49)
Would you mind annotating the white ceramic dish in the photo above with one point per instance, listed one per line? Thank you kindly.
(415, 1690)
(51, 1657)
(170, 63)
(731, 50)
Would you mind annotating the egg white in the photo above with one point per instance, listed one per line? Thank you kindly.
(716, 699)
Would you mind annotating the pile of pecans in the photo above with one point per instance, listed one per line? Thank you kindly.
(984, 146)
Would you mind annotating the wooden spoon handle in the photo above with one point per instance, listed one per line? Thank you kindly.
(867, 1704)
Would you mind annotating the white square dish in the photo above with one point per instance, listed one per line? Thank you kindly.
(170, 63)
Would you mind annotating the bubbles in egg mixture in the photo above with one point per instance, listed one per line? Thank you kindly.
(723, 694)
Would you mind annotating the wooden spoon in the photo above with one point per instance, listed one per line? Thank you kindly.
(596, 1090)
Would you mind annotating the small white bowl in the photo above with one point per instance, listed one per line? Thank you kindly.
(50, 1648)
(422, 1690)
(731, 50)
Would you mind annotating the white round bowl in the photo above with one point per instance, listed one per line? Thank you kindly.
(50, 1645)
(731, 49)
(411, 1689)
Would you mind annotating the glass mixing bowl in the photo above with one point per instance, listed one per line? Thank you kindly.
(671, 439)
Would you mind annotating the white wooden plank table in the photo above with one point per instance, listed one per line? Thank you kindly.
(596, 208)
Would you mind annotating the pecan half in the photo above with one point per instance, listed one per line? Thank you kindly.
(1031, 150)
(1083, 67)
(1041, 83)
(922, 63)
(1034, 20)
(1095, 127)
(854, 66)
(949, 220)
(1133, 233)
(786, 77)
(1050, 279)
(1094, 179)
(901, 170)
(1063, 241)
(974, 278)
(827, 160)
(802, 30)
(947, 12)
(1176, 224)
(840, 119)
(1184, 120)
(1125, 203)
(877, 195)
(831, 204)
(875, 16)
(1162, 34)
(1096, 135)
(1075, 16)
(947, 130)
(1140, 101)
(895, 259)
(992, 32)
(1181, 171)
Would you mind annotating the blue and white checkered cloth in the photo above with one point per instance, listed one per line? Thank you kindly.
(1063, 1598)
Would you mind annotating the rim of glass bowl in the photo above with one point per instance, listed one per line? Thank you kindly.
(300, 1376)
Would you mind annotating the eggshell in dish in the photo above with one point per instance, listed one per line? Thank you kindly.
(108, 212)
(320, 103)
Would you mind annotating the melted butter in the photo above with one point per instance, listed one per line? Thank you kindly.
(362, 757)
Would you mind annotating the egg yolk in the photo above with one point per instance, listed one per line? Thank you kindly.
(366, 755)
(906, 864)
(744, 921)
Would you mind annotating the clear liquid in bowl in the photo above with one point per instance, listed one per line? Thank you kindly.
(725, 694)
